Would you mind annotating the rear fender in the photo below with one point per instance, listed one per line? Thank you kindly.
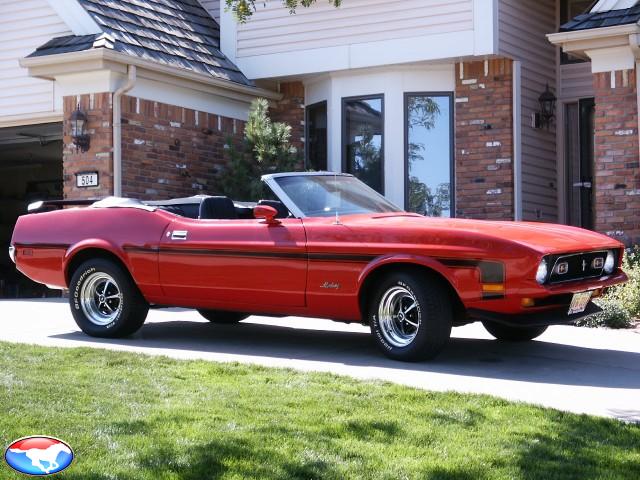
(92, 243)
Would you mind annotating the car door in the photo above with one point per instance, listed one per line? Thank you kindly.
(230, 263)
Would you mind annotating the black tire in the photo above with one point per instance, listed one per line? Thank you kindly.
(433, 314)
(513, 334)
(115, 317)
(219, 316)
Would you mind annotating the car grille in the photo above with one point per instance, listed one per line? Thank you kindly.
(577, 266)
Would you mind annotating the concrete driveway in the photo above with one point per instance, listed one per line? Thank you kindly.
(573, 369)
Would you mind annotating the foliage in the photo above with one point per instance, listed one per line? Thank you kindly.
(621, 304)
(135, 417)
(243, 9)
(366, 157)
(266, 149)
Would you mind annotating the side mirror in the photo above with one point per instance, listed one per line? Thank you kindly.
(268, 213)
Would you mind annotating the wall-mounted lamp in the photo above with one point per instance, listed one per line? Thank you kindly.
(547, 112)
(79, 135)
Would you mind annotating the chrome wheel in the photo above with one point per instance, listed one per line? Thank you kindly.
(101, 299)
(399, 316)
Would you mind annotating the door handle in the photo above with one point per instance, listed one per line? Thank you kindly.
(179, 235)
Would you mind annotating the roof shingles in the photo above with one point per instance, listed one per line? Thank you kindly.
(610, 18)
(178, 33)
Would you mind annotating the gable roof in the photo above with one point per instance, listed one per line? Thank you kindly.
(177, 33)
(610, 18)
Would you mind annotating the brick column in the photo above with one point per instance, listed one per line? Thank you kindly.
(290, 110)
(171, 151)
(617, 171)
(484, 140)
(98, 109)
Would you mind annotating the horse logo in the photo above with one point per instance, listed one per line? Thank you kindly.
(38, 455)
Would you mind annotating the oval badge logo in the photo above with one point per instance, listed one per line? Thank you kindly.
(38, 455)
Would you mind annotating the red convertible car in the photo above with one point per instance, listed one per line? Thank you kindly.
(325, 245)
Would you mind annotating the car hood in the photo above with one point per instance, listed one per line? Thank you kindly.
(542, 237)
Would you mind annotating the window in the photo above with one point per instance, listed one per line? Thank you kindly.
(429, 154)
(363, 139)
(316, 137)
(570, 9)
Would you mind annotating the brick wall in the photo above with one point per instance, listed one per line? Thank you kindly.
(484, 140)
(617, 172)
(291, 110)
(170, 151)
(98, 158)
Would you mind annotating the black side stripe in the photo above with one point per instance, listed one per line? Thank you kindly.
(254, 254)
(46, 246)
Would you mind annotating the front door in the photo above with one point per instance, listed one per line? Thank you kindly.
(580, 136)
(227, 263)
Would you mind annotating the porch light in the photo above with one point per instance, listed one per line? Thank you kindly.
(79, 135)
(547, 107)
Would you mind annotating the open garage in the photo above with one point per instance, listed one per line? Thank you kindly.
(30, 170)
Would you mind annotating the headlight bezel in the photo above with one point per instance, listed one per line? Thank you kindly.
(542, 273)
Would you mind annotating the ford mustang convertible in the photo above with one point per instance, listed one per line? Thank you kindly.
(324, 245)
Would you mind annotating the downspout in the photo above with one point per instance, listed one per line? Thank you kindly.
(117, 129)
(517, 141)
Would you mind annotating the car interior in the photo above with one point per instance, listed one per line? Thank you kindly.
(203, 207)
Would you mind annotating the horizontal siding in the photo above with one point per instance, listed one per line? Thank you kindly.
(24, 26)
(523, 25)
(576, 81)
(273, 30)
(213, 7)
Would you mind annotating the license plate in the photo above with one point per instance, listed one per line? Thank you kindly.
(579, 302)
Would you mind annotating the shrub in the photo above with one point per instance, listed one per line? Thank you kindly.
(266, 148)
(621, 304)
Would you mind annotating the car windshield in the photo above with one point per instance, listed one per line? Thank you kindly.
(328, 195)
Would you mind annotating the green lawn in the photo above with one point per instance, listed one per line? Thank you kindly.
(139, 417)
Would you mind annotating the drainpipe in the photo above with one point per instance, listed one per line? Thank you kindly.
(117, 129)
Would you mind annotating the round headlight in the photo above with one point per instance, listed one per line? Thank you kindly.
(543, 271)
(610, 263)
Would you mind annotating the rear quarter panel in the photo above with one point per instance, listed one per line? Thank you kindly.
(47, 242)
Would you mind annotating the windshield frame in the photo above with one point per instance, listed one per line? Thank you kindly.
(271, 181)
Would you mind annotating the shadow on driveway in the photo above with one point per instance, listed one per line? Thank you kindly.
(535, 362)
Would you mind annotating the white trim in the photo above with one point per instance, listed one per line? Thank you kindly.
(611, 59)
(592, 34)
(51, 66)
(485, 27)
(361, 55)
(75, 16)
(517, 140)
(31, 119)
(228, 33)
(607, 5)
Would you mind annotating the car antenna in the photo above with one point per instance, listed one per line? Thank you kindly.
(335, 179)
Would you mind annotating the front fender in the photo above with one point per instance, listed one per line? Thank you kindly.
(418, 260)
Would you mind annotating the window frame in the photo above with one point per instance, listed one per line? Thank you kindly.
(306, 131)
(345, 163)
(452, 156)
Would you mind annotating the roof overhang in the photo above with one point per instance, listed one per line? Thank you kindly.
(52, 67)
(608, 48)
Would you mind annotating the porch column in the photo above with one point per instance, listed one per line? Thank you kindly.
(484, 140)
(617, 171)
(98, 109)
